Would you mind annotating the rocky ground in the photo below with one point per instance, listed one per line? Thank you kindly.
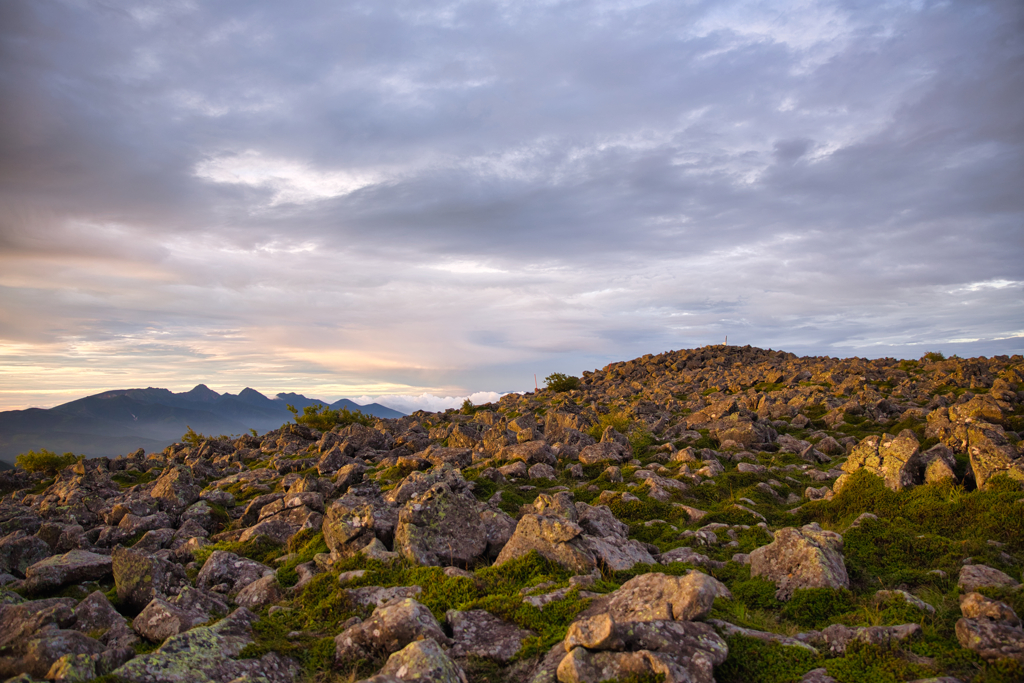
(717, 514)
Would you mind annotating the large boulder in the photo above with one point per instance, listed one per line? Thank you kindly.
(478, 633)
(992, 454)
(74, 566)
(604, 649)
(19, 551)
(422, 660)
(357, 518)
(390, 628)
(176, 489)
(283, 518)
(606, 451)
(530, 452)
(896, 459)
(140, 577)
(230, 571)
(975, 576)
(446, 525)
(661, 597)
(808, 557)
(205, 654)
(991, 639)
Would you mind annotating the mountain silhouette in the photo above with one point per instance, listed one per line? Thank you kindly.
(119, 421)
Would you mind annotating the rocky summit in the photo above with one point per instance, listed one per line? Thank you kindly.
(717, 514)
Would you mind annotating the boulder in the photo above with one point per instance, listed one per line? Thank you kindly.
(838, 637)
(808, 557)
(175, 489)
(160, 620)
(660, 597)
(991, 454)
(896, 459)
(18, 551)
(478, 633)
(224, 568)
(992, 640)
(554, 537)
(140, 577)
(206, 654)
(358, 517)
(95, 614)
(422, 660)
(446, 526)
(975, 576)
(606, 451)
(530, 452)
(74, 566)
(977, 606)
(390, 628)
(261, 592)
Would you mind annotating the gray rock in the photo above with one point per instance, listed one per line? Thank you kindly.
(602, 452)
(992, 640)
(205, 655)
(838, 637)
(160, 620)
(423, 660)
(479, 633)
(390, 628)
(261, 592)
(95, 613)
(175, 489)
(18, 551)
(975, 576)
(60, 570)
(808, 557)
(223, 567)
(660, 597)
(141, 577)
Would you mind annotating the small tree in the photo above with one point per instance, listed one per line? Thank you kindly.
(467, 407)
(322, 418)
(560, 382)
(46, 461)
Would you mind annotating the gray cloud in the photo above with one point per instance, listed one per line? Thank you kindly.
(403, 198)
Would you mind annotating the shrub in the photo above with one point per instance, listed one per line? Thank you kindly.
(324, 419)
(46, 461)
(559, 382)
(934, 356)
(816, 607)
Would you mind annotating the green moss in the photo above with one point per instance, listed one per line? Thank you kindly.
(817, 607)
(754, 661)
(867, 663)
(305, 545)
(260, 548)
(756, 592)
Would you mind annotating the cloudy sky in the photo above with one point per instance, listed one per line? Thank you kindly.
(365, 199)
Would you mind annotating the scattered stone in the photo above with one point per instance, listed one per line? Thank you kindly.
(808, 557)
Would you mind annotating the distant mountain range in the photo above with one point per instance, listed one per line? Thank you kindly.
(120, 421)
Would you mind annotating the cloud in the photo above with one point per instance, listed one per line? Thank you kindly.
(428, 402)
(444, 198)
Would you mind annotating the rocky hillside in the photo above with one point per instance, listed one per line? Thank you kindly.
(717, 514)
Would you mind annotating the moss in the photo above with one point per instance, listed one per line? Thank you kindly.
(260, 548)
(754, 661)
(817, 607)
(305, 545)
(867, 663)
(756, 592)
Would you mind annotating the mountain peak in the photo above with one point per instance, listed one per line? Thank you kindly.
(201, 392)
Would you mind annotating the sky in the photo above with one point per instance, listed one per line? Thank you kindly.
(420, 201)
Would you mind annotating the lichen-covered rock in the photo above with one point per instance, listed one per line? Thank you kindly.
(73, 668)
(355, 519)
(41, 652)
(390, 628)
(175, 489)
(992, 640)
(977, 606)
(991, 454)
(555, 538)
(74, 566)
(443, 527)
(206, 655)
(530, 452)
(96, 614)
(896, 459)
(975, 576)
(660, 597)
(478, 633)
(261, 592)
(808, 557)
(140, 577)
(19, 551)
(423, 660)
(283, 518)
(237, 572)
(160, 620)
(606, 451)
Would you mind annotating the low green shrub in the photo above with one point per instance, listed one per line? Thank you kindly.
(45, 461)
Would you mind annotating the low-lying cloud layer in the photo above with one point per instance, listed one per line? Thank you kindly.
(408, 198)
